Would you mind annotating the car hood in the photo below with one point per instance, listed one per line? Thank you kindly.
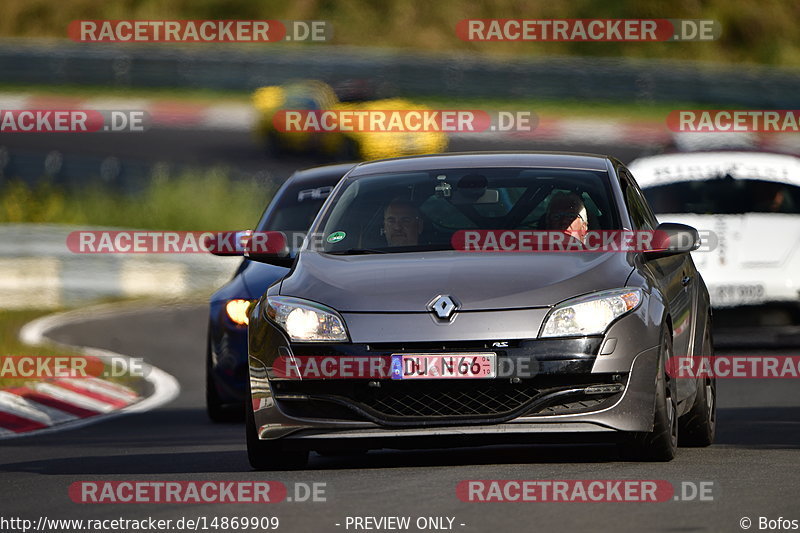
(407, 282)
(250, 281)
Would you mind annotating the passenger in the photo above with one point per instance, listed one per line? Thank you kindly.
(567, 213)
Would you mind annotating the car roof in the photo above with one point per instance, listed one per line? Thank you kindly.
(682, 167)
(316, 174)
(484, 159)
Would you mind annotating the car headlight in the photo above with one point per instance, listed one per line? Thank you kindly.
(306, 321)
(238, 310)
(590, 314)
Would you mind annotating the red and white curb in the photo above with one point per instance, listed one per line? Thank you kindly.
(236, 116)
(64, 403)
(584, 131)
(163, 113)
(243, 117)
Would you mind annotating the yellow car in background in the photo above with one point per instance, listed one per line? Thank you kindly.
(350, 145)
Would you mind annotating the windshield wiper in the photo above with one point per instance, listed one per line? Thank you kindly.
(358, 251)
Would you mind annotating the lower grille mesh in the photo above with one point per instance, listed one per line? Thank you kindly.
(485, 400)
(408, 401)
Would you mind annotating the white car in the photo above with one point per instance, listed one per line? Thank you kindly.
(747, 206)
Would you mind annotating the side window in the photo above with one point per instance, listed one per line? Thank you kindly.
(640, 213)
(647, 211)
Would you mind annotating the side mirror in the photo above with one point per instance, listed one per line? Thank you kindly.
(271, 259)
(272, 247)
(671, 238)
(227, 243)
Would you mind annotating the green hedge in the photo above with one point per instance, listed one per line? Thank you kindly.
(756, 31)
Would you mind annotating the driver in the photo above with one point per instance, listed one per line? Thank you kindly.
(567, 213)
(402, 223)
(771, 199)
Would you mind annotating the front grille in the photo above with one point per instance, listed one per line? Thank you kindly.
(475, 401)
(431, 401)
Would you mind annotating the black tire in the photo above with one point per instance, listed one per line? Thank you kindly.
(269, 454)
(661, 444)
(218, 411)
(698, 426)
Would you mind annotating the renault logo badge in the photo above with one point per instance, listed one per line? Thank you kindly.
(443, 307)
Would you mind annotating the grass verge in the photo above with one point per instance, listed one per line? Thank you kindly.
(762, 31)
(11, 322)
(190, 201)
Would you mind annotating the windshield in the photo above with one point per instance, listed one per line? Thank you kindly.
(419, 211)
(295, 208)
(724, 196)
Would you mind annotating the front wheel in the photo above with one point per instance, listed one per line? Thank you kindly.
(217, 410)
(698, 426)
(661, 444)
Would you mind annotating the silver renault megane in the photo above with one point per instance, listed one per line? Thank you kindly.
(418, 314)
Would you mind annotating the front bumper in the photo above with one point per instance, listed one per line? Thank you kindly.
(290, 409)
(228, 356)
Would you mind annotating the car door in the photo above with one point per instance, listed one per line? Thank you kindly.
(675, 275)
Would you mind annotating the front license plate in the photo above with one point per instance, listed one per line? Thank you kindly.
(444, 366)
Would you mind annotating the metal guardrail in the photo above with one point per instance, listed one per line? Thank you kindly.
(76, 172)
(405, 74)
(37, 270)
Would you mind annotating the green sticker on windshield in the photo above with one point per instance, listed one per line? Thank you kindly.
(336, 236)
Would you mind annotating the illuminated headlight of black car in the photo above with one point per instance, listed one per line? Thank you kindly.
(306, 321)
(590, 314)
(238, 311)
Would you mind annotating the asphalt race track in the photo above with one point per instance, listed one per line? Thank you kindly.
(236, 150)
(753, 465)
